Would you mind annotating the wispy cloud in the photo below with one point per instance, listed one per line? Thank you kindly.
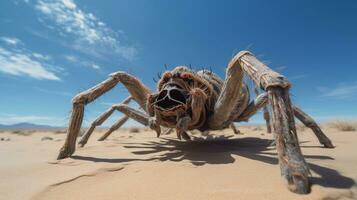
(71, 58)
(41, 57)
(296, 77)
(18, 61)
(280, 68)
(91, 35)
(341, 91)
(95, 66)
(61, 93)
(107, 103)
(13, 119)
(10, 40)
(79, 61)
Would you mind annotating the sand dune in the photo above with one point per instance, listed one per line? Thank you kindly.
(141, 166)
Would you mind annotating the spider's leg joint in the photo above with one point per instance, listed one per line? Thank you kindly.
(117, 74)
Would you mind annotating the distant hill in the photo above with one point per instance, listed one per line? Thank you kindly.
(25, 125)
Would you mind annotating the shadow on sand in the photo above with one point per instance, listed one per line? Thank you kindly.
(221, 151)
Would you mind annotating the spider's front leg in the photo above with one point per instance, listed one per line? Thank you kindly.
(137, 90)
(192, 120)
(228, 99)
(292, 163)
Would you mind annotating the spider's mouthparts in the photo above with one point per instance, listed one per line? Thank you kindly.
(170, 97)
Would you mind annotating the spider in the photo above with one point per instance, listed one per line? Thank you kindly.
(186, 99)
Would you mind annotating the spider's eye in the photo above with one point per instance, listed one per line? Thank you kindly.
(170, 98)
(177, 95)
(186, 76)
(162, 94)
(167, 76)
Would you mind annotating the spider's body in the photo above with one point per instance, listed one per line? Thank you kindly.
(177, 90)
(186, 100)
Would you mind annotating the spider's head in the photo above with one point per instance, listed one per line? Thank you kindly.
(170, 102)
(174, 97)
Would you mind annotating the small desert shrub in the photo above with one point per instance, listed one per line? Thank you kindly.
(257, 128)
(61, 131)
(22, 132)
(343, 125)
(134, 130)
(146, 129)
(46, 138)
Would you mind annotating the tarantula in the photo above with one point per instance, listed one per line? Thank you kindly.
(187, 100)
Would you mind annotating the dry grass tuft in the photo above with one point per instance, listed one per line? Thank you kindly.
(134, 130)
(146, 129)
(343, 125)
(257, 128)
(23, 132)
(60, 131)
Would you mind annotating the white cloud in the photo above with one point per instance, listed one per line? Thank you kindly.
(341, 91)
(79, 61)
(92, 36)
(10, 40)
(69, 4)
(95, 66)
(71, 58)
(19, 62)
(41, 57)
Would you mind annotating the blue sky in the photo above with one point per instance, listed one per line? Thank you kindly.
(51, 50)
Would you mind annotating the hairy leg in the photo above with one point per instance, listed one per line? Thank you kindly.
(259, 102)
(234, 128)
(241, 104)
(266, 114)
(99, 121)
(119, 123)
(267, 119)
(167, 131)
(309, 122)
(114, 127)
(228, 98)
(292, 163)
(139, 116)
(182, 126)
(138, 91)
(186, 122)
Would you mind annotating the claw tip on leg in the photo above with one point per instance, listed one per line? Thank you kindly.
(329, 145)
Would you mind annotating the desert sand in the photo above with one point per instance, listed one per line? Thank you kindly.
(140, 166)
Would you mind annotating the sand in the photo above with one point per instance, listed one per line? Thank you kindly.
(140, 166)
